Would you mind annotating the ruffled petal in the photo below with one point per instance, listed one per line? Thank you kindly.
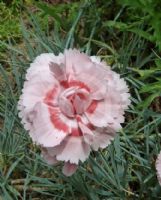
(119, 86)
(97, 60)
(99, 116)
(96, 82)
(39, 80)
(102, 138)
(69, 169)
(108, 112)
(51, 160)
(43, 132)
(72, 61)
(75, 150)
(41, 64)
(60, 121)
(35, 92)
(81, 101)
(66, 106)
(58, 71)
(87, 134)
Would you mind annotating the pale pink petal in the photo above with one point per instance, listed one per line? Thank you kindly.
(39, 81)
(99, 117)
(87, 134)
(78, 105)
(32, 94)
(101, 93)
(108, 112)
(75, 61)
(69, 169)
(41, 64)
(118, 86)
(96, 82)
(78, 63)
(66, 106)
(158, 167)
(81, 101)
(58, 71)
(22, 115)
(51, 160)
(102, 138)
(43, 131)
(60, 121)
(83, 70)
(97, 60)
(36, 92)
(75, 150)
(51, 97)
(53, 151)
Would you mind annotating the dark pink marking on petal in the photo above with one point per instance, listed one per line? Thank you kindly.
(90, 126)
(64, 84)
(76, 132)
(92, 106)
(57, 122)
(78, 118)
(82, 96)
(79, 84)
(50, 96)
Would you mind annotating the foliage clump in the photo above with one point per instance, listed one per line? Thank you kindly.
(123, 34)
(9, 21)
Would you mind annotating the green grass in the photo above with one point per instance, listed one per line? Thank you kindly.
(124, 170)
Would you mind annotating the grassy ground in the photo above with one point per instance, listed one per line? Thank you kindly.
(126, 36)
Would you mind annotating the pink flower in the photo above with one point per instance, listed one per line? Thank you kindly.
(158, 167)
(72, 104)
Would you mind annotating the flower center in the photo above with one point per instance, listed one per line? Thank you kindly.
(73, 101)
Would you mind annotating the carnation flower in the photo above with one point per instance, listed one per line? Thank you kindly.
(158, 167)
(72, 104)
